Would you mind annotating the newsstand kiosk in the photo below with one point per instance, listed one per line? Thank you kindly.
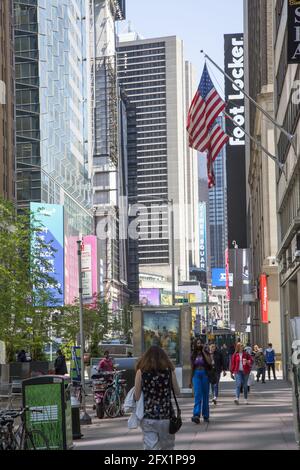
(50, 394)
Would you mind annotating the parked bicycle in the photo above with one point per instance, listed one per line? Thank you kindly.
(100, 383)
(21, 437)
(114, 396)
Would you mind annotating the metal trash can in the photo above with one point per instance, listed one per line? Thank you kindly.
(75, 405)
(51, 394)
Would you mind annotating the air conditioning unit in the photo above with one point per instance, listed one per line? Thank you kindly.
(296, 248)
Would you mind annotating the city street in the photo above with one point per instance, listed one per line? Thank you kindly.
(265, 424)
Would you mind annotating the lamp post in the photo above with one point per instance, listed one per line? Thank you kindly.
(85, 418)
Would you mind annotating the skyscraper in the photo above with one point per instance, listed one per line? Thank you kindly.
(51, 94)
(7, 165)
(108, 162)
(153, 73)
(51, 110)
(218, 210)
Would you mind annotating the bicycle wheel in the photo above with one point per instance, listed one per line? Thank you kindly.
(9, 443)
(100, 410)
(35, 440)
(112, 403)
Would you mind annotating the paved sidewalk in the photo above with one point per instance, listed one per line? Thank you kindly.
(265, 424)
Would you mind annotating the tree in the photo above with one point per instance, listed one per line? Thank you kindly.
(96, 323)
(25, 298)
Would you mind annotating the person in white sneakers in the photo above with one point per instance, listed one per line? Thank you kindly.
(241, 364)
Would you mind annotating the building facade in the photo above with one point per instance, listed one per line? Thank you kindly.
(261, 171)
(51, 111)
(154, 76)
(287, 111)
(7, 123)
(109, 159)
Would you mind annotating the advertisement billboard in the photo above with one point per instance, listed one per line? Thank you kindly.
(162, 328)
(50, 220)
(71, 270)
(219, 278)
(149, 296)
(235, 151)
(90, 268)
(239, 265)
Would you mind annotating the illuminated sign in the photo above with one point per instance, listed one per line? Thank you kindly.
(264, 298)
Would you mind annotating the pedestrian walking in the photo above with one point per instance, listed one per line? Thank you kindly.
(155, 376)
(248, 348)
(260, 362)
(225, 354)
(200, 365)
(22, 356)
(231, 351)
(218, 366)
(270, 360)
(60, 365)
(241, 364)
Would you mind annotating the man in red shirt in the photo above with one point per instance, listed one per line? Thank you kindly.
(106, 364)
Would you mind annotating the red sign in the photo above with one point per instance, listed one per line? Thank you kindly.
(264, 298)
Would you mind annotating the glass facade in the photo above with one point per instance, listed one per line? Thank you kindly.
(218, 211)
(51, 106)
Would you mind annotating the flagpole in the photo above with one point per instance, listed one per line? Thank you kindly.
(289, 136)
(273, 157)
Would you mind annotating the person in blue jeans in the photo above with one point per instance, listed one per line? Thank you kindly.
(200, 364)
(270, 360)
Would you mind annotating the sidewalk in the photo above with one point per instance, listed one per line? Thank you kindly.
(265, 424)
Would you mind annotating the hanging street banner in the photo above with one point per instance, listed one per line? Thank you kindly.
(293, 31)
(235, 150)
(264, 298)
(202, 236)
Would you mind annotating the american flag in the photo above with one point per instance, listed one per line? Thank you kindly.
(204, 136)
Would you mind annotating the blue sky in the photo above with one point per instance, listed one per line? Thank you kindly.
(200, 23)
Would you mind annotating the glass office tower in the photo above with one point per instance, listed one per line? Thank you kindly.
(218, 211)
(51, 107)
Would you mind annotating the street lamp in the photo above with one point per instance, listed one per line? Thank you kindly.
(85, 418)
(170, 203)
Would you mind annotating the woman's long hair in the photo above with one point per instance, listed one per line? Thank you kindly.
(195, 349)
(154, 359)
(239, 347)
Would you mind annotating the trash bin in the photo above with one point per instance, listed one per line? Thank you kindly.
(75, 405)
(51, 394)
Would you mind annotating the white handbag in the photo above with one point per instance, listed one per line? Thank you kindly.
(251, 380)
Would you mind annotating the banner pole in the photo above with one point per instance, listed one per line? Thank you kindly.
(273, 157)
(289, 136)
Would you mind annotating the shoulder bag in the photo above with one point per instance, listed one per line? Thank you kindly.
(212, 376)
(175, 419)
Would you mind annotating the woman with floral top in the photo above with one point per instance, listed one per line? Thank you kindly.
(154, 372)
